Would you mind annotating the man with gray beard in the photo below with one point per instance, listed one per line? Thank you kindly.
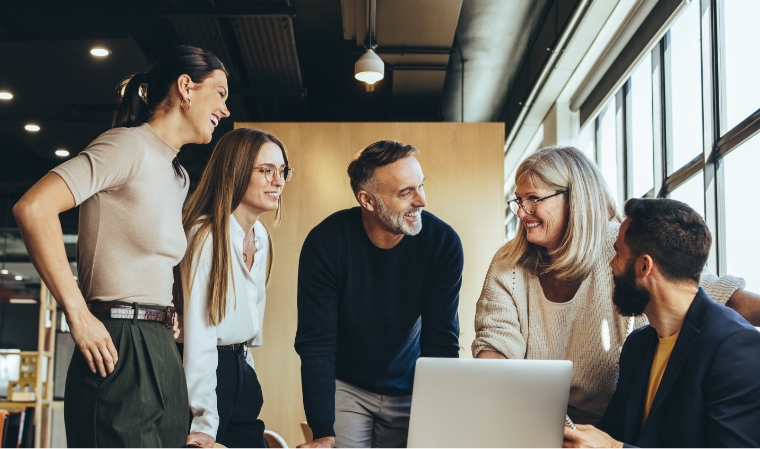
(376, 291)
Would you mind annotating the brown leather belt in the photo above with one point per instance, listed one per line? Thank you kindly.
(120, 312)
(237, 348)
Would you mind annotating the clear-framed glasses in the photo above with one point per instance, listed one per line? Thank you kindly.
(285, 173)
(529, 206)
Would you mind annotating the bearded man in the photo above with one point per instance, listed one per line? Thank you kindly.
(689, 377)
(377, 289)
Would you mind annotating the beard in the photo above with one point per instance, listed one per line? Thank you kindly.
(396, 222)
(630, 299)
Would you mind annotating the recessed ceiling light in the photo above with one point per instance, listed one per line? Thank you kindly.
(61, 152)
(5, 95)
(3, 271)
(32, 128)
(18, 278)
(22, 301)
(100, 52)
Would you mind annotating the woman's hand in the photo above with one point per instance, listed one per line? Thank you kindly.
(490, 355)
(200, 439)
(93, 340)
(320, 442)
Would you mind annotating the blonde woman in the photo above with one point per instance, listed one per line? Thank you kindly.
(548, 292)
(223, 277)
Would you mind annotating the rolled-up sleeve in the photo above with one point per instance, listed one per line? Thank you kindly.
(200, 353)
(721, 288)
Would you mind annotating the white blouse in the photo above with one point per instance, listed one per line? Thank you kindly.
(242, 323)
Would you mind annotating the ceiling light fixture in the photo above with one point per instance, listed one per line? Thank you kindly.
(4, 95)
(100, 52)
(3, 271)
(369, 68)
(18, 278)
(32, 128)
(61, 152)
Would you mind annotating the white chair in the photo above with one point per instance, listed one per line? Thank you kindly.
(274, 439)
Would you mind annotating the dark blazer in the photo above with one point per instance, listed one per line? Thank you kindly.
(709, 395)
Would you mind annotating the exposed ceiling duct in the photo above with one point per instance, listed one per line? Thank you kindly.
(257, 44)
(493, 37)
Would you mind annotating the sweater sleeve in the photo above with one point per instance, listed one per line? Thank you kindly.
(439, 336)
(497, 317)
(316, 336)
(721, 288)
(200, 354)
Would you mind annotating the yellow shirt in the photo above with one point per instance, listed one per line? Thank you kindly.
(661, 357)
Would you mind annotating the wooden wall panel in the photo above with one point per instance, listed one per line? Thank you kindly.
(463, 166)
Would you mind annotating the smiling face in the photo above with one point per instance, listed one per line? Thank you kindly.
(207, 105)
(400, 196)
(261, 195)
(548, 224)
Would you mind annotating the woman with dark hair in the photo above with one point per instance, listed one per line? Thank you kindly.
(223, 278)
(125, 385)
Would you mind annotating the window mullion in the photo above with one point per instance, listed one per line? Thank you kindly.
(658, 120)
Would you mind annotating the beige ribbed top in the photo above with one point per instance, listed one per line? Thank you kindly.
(514, 318)
(130, 219)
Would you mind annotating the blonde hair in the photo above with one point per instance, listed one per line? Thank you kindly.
(221, 190)
(591, 208)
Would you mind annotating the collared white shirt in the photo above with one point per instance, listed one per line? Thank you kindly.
(242, 323)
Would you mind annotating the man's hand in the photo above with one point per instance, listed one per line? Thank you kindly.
(200, 439)
(175, 327)
(93, 340)
(320, 442)
(588, 436)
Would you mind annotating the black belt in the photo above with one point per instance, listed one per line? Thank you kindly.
(123, 312)
(237, 348)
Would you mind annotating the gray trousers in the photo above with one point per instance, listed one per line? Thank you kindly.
(366, 419)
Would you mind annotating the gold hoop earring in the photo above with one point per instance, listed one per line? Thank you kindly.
(183, 102)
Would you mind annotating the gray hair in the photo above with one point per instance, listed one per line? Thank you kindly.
(592, 207)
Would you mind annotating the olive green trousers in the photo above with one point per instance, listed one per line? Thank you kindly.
(143, 403)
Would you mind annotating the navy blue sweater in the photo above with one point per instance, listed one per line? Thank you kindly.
(365, 314)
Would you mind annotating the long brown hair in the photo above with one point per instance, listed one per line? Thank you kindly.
(221, 189)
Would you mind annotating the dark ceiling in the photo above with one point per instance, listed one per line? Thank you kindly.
(288, 61)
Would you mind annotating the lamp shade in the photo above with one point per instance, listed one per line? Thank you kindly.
(369, 68)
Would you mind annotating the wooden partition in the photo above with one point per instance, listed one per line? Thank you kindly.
(463, 166)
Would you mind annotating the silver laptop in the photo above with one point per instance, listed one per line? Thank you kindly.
(489, 403)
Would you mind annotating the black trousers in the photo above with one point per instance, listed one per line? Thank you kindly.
(239, 401)
(143, 403)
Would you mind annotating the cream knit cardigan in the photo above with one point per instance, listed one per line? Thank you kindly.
(514, 318)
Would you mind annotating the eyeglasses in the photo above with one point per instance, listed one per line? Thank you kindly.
(529, 206)
(285, 173)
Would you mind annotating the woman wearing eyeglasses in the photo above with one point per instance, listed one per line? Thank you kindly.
(548, 292)
(223, 278)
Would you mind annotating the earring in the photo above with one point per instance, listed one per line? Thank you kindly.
(183, 102)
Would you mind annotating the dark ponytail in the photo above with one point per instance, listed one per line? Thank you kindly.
(140, 94)
(132, 109)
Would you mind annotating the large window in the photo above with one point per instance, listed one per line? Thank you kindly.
(682, 56)
(607, 148)
(641, 128)
(742, 213)
(739, 61)
(681, 109)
